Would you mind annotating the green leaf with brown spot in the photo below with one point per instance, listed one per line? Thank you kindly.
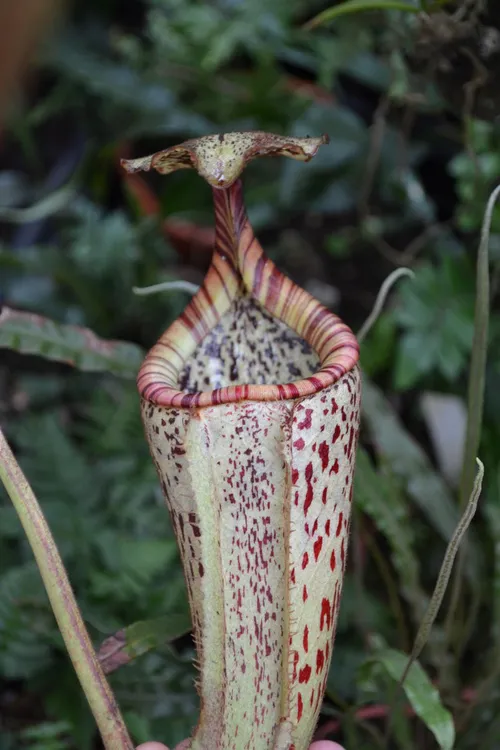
(28, 333)
(129, 643)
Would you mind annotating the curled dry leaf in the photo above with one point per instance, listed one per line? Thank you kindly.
(220, 159)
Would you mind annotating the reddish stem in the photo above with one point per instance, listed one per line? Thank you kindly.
(377, 711)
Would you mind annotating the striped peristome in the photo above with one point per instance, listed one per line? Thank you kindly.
(250, 402)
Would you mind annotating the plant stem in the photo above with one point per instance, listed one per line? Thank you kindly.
(439, 589)
(478, 357)
(166, 286)
(392, 592)
(99, 695)
(475, 402)
(380, 301)
(445, 571)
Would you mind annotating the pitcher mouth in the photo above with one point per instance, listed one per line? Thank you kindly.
(287, 325)
(331, 340)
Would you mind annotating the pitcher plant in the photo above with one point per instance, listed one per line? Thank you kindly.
(250, 402)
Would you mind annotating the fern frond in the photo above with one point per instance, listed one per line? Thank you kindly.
(27, 626)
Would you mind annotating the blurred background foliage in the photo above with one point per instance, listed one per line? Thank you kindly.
(408, 103)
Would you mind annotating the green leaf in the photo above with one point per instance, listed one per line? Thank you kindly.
(25, 623)
(379, 496)
(136, 561)
(377, 349)
(160, 687)
(97, 72)
(409, 367)
(436, 312)
(408, 461)
(134, 102)
(138, 726)
(356, 6)
(47, 736)
(492, 512)
(28, 333)
(64, 698)
(349, 139)
(46, 207)
(421, 693)
(137, 639)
